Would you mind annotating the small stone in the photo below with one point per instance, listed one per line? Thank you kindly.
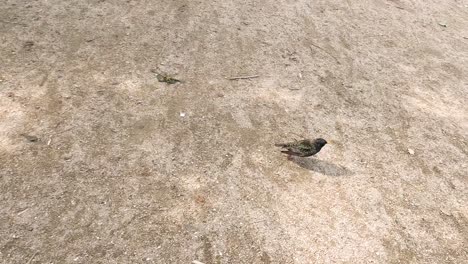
(28, 45)
(411, 151)
(30, 138)
(182, 114)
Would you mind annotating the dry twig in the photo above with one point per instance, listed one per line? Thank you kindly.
(326, 51)
(243, 77)
(33, 256)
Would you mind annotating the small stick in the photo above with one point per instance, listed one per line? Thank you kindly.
(22, 211)
(243, 77)
(44, 79)
(33, 256)
(324, 50)
(197, 262)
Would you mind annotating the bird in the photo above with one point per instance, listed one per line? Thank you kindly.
(303, 148)
(167, 79)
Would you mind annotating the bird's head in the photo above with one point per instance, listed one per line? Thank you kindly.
(320, 142)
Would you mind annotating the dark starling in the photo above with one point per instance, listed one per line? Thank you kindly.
(167, 79)
(303, 148)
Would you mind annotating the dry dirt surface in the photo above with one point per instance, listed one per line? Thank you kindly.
(102, 163)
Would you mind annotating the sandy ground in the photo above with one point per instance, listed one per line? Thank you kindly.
(101, 163)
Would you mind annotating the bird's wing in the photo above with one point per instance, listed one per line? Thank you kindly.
(286, 145)
(305, 148)
(295, 143)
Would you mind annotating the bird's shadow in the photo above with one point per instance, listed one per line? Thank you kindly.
(322, 167)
